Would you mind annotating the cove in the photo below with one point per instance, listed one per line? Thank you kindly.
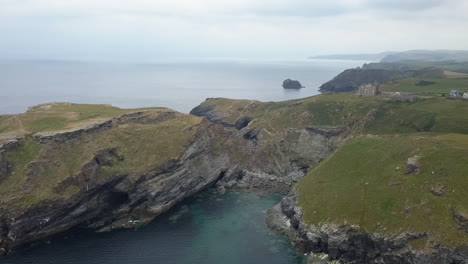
(206, 228)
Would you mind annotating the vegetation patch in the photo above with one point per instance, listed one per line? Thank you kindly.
(364, 183)
(141, 147)
(431, 87)
(58, 116)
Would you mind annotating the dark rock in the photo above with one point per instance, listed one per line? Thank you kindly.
(462, 220)
(251, 134)
(350, 244)
(292, 84)
(242, 122)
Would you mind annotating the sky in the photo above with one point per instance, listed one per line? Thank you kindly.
(165, 29)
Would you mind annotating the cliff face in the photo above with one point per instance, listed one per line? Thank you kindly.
(351, 244)
(123, 171)
(104, 191)
(344, 154)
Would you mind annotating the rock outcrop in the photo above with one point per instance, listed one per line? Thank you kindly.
(350, 244)
(292, 84)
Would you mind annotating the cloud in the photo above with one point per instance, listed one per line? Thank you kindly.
(406, 5)
(151, 29)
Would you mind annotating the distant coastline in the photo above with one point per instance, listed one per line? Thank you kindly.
(354, 57)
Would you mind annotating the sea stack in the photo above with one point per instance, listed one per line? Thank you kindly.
(292, 84)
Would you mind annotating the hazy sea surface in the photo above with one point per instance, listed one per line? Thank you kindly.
(180, 85)
(206, 229)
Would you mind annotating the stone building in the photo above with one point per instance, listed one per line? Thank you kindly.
(368, 89)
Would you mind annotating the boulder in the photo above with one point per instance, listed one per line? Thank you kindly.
(412, 165)
(437, 190)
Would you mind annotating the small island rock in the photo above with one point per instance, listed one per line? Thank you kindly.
(292, 84)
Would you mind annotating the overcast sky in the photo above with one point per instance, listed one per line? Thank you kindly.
(155, 29)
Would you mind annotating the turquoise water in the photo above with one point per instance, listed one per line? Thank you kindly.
(208, 228)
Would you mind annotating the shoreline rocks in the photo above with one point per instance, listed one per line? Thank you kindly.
(350, 244)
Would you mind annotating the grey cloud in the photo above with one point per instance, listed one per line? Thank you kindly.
(406, 5)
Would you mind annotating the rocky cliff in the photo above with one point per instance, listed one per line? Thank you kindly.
(349, 243)
(122, 171)
(63, 165)
(77, 178)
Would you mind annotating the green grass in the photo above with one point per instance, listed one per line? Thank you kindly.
(142, 146)
(442, 86)
(359, 184)
(435, 114)
(27, 152)
(327, 110)
(48, 124)
(56, 117)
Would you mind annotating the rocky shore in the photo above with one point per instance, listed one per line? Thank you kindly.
(351, 244)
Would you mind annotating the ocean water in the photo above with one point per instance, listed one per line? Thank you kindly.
(209, 228)
(180, 85)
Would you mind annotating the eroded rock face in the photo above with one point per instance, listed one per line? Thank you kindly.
(228, 154)
(462, 220)
(350, 244)
(112, 201)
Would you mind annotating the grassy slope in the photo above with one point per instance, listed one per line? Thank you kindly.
(359, 184)
(327, 110)
(332, 110)
(57, 116)
(442, 86)
(337, 190)
(143, 146)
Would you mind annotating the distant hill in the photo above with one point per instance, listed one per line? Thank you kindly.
(366, 57)
(404, 56)
(427, 56)
(351, 79)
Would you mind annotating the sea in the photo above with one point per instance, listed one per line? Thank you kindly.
(180, 84)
